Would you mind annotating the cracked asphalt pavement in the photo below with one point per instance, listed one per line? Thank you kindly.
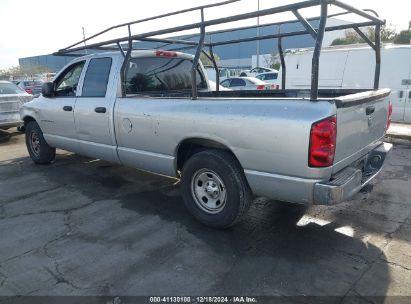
(87, 227)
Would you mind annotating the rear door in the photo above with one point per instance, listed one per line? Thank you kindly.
(93, 110)
(361, 125)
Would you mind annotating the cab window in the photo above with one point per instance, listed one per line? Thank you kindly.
(157, 74)
(67, 82)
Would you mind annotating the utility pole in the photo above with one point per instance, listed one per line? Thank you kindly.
(84, 37)
(258, 35)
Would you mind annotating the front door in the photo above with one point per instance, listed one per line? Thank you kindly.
(93, 111)
(57, 118)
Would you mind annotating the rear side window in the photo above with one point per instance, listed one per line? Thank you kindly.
(157, 74)
(95, 82)
(271, 76)
(226, 83)
(236, 82)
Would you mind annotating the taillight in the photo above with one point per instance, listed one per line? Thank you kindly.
(389, 116)
(322, 143)
(261, 87)
(30, 91)
(160, 53)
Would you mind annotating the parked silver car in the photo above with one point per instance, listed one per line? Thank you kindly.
(255, 71)
(246, 83)
(11, 99)
(270, 77)
(32, 87)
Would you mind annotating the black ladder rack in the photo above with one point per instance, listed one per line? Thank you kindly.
(372, 19)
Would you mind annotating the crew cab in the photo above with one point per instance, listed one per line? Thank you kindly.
(226, 147)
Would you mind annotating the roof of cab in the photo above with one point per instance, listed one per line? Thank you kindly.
(141, 53)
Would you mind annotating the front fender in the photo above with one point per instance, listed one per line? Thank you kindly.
(28, 111)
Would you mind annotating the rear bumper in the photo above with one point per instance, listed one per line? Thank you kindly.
(351, 180)
(10, 120)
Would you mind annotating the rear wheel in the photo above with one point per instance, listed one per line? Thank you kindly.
(214, 188)
(40, 152)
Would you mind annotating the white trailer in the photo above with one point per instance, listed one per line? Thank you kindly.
(352, 67)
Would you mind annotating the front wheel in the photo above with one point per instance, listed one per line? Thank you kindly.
(40, 152)
(214, 188)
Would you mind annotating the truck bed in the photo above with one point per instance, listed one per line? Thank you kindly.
(295, 93)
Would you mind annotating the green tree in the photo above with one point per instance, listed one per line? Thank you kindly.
(350, 37)
(19, 71)
(404, 37)
(272, 61)
(388, 34)
(207, 62)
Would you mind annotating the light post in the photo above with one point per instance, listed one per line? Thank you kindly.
(84, 37)
(258, 35)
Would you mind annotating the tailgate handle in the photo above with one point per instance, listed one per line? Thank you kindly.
(369, 110)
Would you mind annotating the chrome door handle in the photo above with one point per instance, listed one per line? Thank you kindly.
(100, 110)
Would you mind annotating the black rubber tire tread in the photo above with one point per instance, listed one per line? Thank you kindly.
(47, 154)
(239, 195)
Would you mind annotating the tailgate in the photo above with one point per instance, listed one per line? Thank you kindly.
(361, 125)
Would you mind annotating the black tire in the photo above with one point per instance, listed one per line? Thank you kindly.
(40, 152)
(237, 193)
(243, 75)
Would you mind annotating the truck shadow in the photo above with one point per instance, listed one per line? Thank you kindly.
(274, 250)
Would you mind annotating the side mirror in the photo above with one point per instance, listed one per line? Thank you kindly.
(48, 89)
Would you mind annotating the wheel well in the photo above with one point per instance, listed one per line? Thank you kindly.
(189, 147)
(27, 119)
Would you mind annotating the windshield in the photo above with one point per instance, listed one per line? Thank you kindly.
(9, 88)
(268, 76)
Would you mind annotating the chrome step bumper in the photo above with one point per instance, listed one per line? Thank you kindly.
(351, 180)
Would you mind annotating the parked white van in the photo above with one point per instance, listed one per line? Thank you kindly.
(352, 67)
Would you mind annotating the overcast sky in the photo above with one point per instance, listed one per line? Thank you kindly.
(30, 28)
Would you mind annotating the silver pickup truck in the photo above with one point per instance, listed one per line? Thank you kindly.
(224, 149)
